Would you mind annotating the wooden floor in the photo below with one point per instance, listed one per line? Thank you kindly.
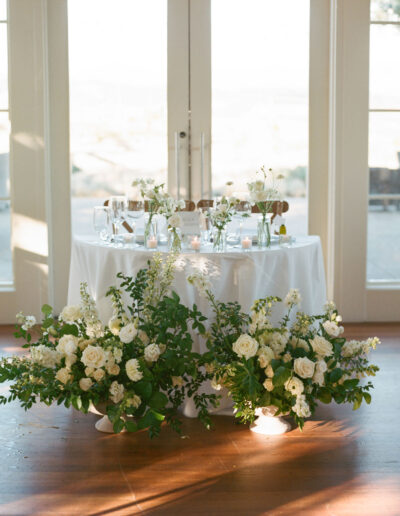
(54, 462)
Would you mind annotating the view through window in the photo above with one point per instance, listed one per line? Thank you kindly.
(383, 262)
(118, 99)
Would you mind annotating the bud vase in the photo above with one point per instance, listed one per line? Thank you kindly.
(219, 240)
(269, 424)
(263, 232)
(174, 239)
(150, 232)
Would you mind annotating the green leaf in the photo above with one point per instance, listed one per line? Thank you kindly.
(77, 402)
(367, 397)
(324, 395)
(358, 401)
(47, 309)
(281, 375)
(350, 384)
(265, 399)
(118, 425)
(335, 375)
(144, 389)
(158, 400)
(158, 416)
(131, 426)
(69, 329)
(47, 323)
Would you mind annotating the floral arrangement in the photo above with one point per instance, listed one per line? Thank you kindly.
(262, 196)
(161, 203)
(140, 365)
(220, 217)
(286, 368)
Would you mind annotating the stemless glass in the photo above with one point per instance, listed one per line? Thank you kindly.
(102, 223)
(118, 205)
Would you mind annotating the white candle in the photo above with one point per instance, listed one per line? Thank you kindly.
(152, 242)
(246, 243)
(195, 243)
(128, 238)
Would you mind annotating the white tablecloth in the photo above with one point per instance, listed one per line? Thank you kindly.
(236, 275)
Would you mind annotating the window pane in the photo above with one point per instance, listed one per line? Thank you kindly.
(385, 67)
(3, 67)
(3, 9)
(385, 10)
(260, 95)
(384, 205)
(118, 91)
(5, 234)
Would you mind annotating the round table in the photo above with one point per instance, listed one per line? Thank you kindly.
(236, 275)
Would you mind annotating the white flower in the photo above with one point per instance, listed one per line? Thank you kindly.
(200, 282)
(299, 343)
(127, 333)
(287, 357)
(113, 369)
(133, 371)
(329, 306)
(114, 325)
(175, 220)
(85, 383)
(215, 384)
(304, 367)
(318, 378)
(94, 330)
(321, 346)
(93, 356)
(134, 401)
(151, 353)
(117, 392)
(265, 355)
(67, 344)
(245, 346)
(277, 341)
(320, 366)
(332, 328)
(301, 407)
(71, 313)
(351, 348)
(20, 317)
(269, 371)
(29, 322)
(295, 386)
(84, 343)
(177, 381)
(63, 375)
(259, 320)
(117, 353)
(268, 385)
(369, 344)
(98, 374)
(89, 371)
(70, 360)
(293, 297)
(44, 356)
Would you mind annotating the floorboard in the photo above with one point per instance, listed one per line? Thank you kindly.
(53, 461)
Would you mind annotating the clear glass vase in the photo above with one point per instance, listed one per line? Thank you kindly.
(174, 239)
(151, 233)
(219, 240)
(263, 232)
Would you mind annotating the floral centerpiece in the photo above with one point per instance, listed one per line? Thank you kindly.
(140, 366)
(262, 196)
(286, 369)
(161, 203)
(220, 217)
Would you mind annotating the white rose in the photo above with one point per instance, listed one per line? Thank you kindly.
(98, 375)
(84, 343)
(301, 407)
(175, 221)
(85, 383)
(93, 356)
(268, 385)
(299, 343)
(304, 367)
(177, 381)
(127, 333)
(332, 328)
(320, 366)
(63, 375)
(143, 337)
(133, 371)
(117, 392)
(67, 344)
(89, 371)
(318, 378)
(114, 325)
(134, 401)
(151, 353)
(321, 346)
(245, 346)
(295, 386)
(265, 355)
(113, 369)
(70, 314)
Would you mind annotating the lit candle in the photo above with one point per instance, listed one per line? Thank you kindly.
(246, 243)
(195, 243)
(128, 238)
(152, 242)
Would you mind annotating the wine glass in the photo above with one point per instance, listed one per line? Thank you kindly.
(135, 212)
(102, 222)
(118, 205)
(242, 211)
